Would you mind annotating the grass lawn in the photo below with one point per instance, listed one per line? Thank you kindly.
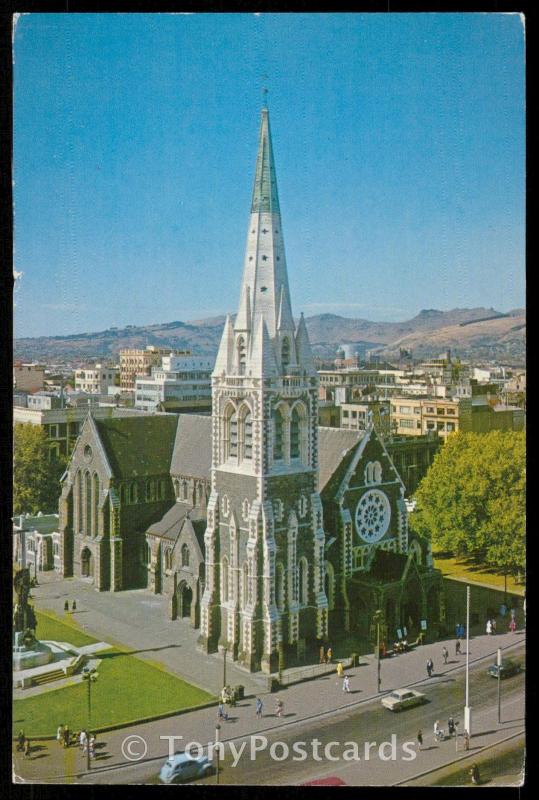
(127, 689)
(467, 569)
(50, 626)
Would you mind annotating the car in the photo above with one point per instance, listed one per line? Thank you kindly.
(400, 699)
(508, 668)
(183, 767)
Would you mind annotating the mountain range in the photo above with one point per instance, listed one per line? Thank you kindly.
(478, 333)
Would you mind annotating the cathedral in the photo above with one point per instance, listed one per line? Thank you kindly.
(268, 533)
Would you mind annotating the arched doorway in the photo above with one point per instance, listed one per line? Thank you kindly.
(185, 599)
(87, 563)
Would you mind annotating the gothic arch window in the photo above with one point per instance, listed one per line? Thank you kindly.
(303, 581)
(285, 354)
(87, 504)
(185, 555)
(147, 553)
(231, 432)
(415, 548)
(162, 489)
(133, 493)
(245, 584)
(177, 489)
(278, 435)
(248, 436)
(242, 355)
(95, 525)
(303, 506)
(330, 585)
(224, 580)
(80, 501)
(279, 586)
(185, 490)
(373, 472)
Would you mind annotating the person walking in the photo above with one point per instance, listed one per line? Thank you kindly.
(451, 726)
(329, 655)
(83, 740)
(91, 746)
(438, 733)
(27, 748)
(21, 738)
(279, 708)
(322, 655)
(66, 736)
(74, 606)
(474, 774)
(222, 713)
(513, 625)
(66, 605)
(340, 669)
(445, 654)
(420, 738)
(457, 647)
(489, 627)
(60, 734)
(430, 667)
(259, 707)
(493, 626)
(346, 684)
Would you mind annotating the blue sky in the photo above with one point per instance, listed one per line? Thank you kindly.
(399, 148)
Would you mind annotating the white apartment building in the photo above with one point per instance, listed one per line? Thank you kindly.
(95, 379)
(180, 382)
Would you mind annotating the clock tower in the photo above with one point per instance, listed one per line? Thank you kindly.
(264, 596)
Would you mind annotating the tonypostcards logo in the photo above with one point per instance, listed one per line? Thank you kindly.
(134, 748)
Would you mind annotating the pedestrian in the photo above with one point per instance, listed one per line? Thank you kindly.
(91, 746)
(329, 655)
(346, 684)
(451, 726)
(445, 654)
(21, 738)
(457, 647)
(259, 706)
(513, 625)
(420, 738)
(60, 734)
(83, 739)
(489, 627)
(74, 606)
(503, 610)
(466, 740)
(66, 736)
(221, 713)
(437, 731)
(27, 748)
(430, 667)
(66, 605)
(340, 669)
(474, 773)
(279, 708)
(322, 655)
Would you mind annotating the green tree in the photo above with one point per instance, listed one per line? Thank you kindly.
(36, 478)
(472, 500)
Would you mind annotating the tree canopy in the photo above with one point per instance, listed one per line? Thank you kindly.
(472, 500)
(36, 478)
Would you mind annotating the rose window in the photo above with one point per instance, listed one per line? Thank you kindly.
(372, 516)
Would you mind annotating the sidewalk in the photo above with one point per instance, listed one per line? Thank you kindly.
(301, 702)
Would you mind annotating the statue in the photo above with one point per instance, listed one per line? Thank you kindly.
(24, 618)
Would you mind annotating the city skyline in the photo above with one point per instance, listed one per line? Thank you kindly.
(116, 202)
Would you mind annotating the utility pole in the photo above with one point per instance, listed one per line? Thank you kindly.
(224, 667)
(499, 663)
(377, 617)
(217, 751)
(89, 675)
(467, 709)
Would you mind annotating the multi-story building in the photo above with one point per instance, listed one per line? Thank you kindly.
(356, 416)
(414, 416)
(28, 377)
(95, 379)
(356, 382)
(36, 542)
(136, 361)
(180, 383)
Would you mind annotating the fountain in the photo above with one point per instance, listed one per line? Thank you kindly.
(28, 651)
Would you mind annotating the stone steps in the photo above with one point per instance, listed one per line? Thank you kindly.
(53, 675)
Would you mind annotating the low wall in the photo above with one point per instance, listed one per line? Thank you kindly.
(485, 602)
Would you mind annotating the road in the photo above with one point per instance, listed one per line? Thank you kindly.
(368, 723)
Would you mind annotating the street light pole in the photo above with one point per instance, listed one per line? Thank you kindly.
(377, 619)
(499, 663)
(217, 751)
(89, 675)
(224, 667)
(467, 709)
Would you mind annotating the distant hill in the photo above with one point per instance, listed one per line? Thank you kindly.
(469, 332)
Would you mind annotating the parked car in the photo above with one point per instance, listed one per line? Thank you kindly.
(403, 698)
(508, 668)
(183, 767)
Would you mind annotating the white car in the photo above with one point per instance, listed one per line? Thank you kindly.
(403, 698)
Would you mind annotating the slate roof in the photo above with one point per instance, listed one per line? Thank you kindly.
(170, 525)
(333, 445)
(192, 447)
(138, 446)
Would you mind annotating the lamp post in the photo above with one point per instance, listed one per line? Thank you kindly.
(217, 751)
(467, 709)
(499, 663)
(90, 676)
(377, 617)
(224, 667)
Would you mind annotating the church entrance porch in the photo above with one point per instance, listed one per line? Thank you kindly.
(87, 564)
(185, 599)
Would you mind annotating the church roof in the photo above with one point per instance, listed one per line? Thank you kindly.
(138, 446)
(333, 445)
(169, 526)
(192, 447)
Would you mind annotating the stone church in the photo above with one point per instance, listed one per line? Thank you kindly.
(268, 533)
